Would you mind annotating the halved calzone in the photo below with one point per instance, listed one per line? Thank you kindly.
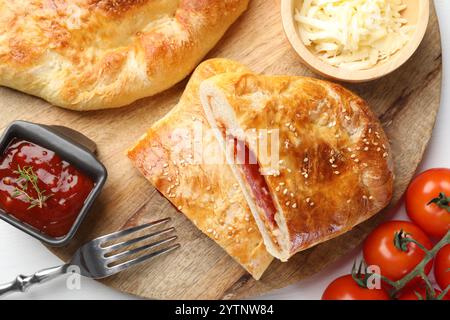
(205, 191)
(333, 166)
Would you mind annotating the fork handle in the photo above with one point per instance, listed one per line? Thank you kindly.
(22, 282)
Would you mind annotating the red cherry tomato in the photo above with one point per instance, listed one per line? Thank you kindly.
(346, 288)
(379, 249)
(431, 218)
(442, 267)
(411, 294)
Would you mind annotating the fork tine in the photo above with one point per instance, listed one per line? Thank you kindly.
(119, 256)
(123, 244)
(130, 263)
(121, 233)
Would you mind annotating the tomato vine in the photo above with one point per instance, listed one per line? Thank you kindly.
(401, 241)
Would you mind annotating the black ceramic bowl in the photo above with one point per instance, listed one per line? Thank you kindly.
(71, 146)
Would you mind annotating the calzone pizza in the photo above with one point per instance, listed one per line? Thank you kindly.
(206, 191)
(96, 54)
(333, 165)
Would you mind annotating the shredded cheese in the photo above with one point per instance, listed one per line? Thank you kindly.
(353, 34)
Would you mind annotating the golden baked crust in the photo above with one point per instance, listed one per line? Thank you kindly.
(97, 54)
(335, 167)
(208, 194)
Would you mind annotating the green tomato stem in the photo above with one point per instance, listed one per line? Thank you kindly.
(419, 269)
(444, 293)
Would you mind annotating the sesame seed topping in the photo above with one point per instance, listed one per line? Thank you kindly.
(286, 144)
(336, 172)
(294, 205)
(285, 191)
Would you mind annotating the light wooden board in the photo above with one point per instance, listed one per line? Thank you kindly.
(406, 102)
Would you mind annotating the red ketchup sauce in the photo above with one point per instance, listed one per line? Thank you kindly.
(256, 181)
(49, 193)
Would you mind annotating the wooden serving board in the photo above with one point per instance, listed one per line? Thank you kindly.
(406, 102)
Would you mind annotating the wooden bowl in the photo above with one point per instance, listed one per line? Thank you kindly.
(417, 13)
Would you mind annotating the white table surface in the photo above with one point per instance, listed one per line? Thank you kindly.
(20, 253)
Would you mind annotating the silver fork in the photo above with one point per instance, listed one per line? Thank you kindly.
(96, 260)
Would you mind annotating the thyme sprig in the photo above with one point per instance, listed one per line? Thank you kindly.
(28, 176)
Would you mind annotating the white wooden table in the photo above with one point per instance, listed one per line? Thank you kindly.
(22, 254)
